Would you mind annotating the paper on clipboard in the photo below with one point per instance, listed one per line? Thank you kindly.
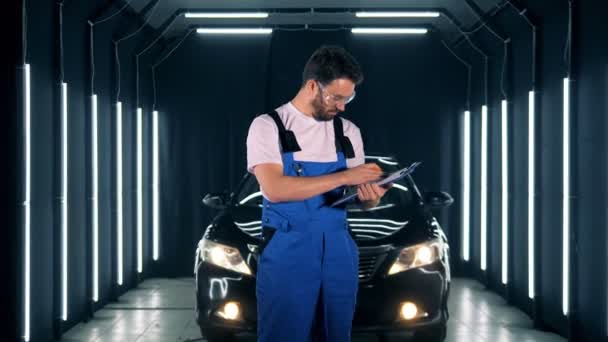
(397, 175)
(393, 177)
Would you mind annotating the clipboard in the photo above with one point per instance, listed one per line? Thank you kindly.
(393, 177)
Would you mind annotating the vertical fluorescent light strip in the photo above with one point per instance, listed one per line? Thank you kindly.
(27, 214)
(466, 187)
(484, 187)
(119, 191)
(64, 201)
(505, 191)
(566, 201)
(139, 193)
(531, 186)
(95, 200)
(155, 186)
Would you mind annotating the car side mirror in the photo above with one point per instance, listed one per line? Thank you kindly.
(438, 199)
(216, 200)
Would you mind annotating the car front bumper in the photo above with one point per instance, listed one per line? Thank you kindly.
(378, 300)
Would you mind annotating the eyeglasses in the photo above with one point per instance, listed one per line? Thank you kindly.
(331, 98)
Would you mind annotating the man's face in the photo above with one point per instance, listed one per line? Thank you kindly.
(331, 99)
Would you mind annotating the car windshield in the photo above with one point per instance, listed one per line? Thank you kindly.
(401, 194)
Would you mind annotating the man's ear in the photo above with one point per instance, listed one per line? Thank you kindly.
(311, 86)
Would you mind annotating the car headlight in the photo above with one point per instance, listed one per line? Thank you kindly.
(223, 256)
(417, 256)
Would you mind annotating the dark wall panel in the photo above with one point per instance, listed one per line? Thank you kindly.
(208, 92)
(43, 56)
(588, 164)
(43, 88)
(75, 35)
(553, 37)
(475, 221)
(590, 170)
(521, 84)
(10, 186)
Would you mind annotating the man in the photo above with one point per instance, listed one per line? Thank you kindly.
(303, 155)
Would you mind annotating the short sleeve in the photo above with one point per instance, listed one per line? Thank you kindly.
(263, 143)
(354, 134)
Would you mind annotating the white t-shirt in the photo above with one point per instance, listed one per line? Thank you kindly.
(316, 139)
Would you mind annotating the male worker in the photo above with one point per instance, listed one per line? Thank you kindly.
(303, 155)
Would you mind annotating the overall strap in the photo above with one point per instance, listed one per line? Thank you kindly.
(343, 144)
(287, 138)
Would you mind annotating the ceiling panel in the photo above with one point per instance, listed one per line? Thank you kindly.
(316, 13)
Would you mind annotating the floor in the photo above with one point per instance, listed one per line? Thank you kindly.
(161, 310)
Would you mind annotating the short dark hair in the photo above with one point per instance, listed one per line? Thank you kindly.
(329, 63)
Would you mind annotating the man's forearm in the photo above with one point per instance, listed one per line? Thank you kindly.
(289, 188)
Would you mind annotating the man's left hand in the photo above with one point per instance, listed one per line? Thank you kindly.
(370, 194)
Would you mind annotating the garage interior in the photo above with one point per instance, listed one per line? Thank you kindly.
(123, 115)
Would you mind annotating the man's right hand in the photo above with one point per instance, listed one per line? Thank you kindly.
(362, 174)
(280, 188)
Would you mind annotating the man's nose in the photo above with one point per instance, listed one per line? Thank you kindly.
(341, 107)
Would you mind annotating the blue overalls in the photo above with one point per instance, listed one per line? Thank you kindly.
(308, 271)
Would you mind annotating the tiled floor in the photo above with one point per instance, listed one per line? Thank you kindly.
(161, 310)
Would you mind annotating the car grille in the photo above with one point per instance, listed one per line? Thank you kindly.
(367, 266)
(369, 260)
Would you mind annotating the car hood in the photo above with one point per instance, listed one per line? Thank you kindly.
(366, 226)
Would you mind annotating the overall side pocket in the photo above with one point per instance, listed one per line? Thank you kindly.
(267, 234)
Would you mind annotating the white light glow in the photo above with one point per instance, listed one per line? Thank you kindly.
(246, 224)
(226, 15)
(531, 186)
(94, 197)
(230, 311)
(505, 190)
(250, 197)
(409, 310)
(376, 208)
(375, 231)
(566, 201)
(140, 200)
(369, 225)
(155, 186)
(398, 223)
(119, 198)
(251, 229)
(26, 204)
(387, 162)
(406, 14)
(484, 187)
(466, 186)
(424, 255)
(376, 157)
(371, 30)
(383, 160)
(64, 201)
(234, 30)
(400, 187)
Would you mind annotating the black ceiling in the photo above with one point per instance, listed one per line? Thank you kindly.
(158, 13)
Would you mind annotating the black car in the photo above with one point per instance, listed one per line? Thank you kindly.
(404, 269)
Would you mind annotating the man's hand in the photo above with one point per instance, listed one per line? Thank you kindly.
(370, 194)
(362, 174)
(280, 188)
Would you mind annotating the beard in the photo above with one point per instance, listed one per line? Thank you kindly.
(320, 111)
